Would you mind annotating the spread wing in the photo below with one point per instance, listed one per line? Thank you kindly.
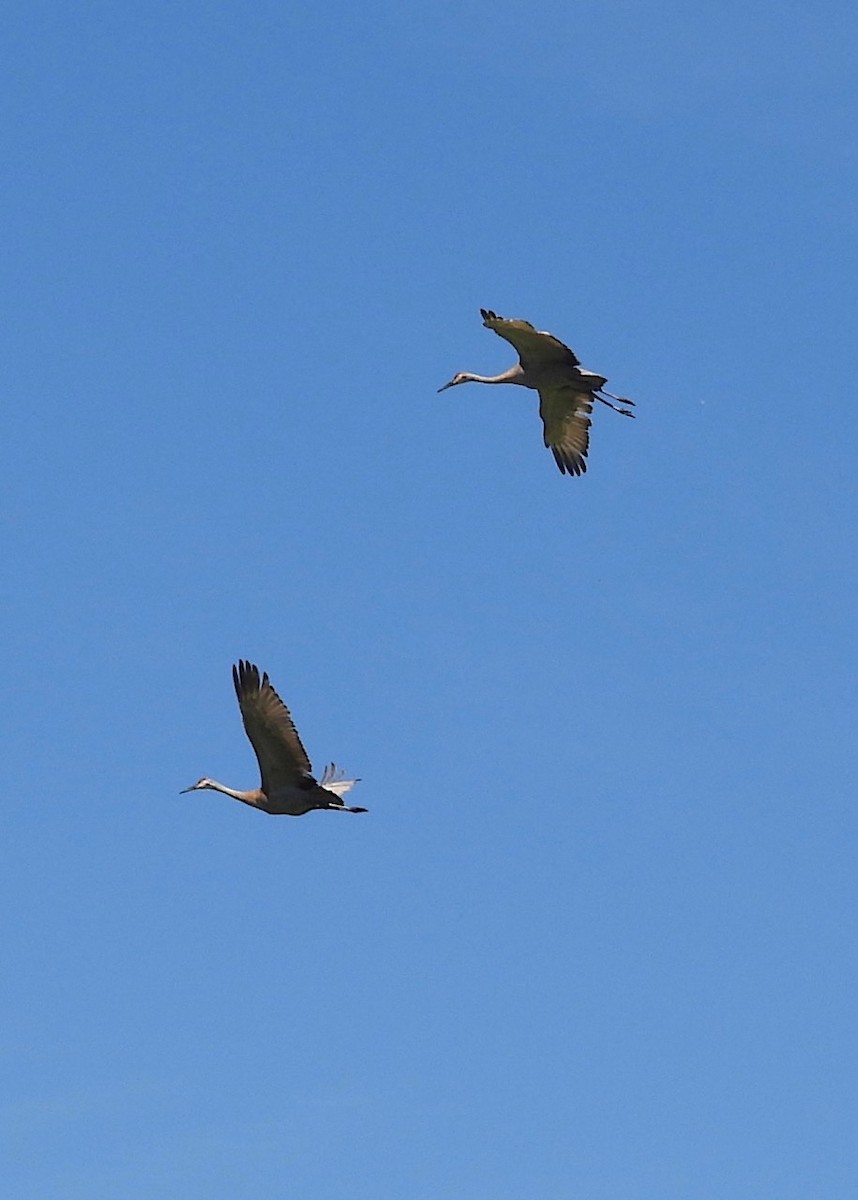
(565, 412)
(536, 350)
(282, 759)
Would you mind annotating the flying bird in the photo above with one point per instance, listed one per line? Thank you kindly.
(288, 786)
(566, 390)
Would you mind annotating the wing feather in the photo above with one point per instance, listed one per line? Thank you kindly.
(536, 350)
(565, 412)
(268, 723)
(334, 780)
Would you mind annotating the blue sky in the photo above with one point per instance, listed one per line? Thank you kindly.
(596, 936)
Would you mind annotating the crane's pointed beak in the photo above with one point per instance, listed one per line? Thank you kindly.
(446, 385)
(192, 788)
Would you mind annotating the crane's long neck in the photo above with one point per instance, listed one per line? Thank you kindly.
(244, 797)
(513, 375)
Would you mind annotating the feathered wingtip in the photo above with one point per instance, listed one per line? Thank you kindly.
(333, 780)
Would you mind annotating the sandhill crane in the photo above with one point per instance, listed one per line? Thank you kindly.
(566, 390)
(287, 785)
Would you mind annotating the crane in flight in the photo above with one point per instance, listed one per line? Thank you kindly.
(566, 390)
(287, 786)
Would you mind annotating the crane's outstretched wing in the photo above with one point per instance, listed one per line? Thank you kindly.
(269, 726)
(565, 412)
(536, 350)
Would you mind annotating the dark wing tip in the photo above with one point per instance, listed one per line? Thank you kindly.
(245, 677)
(568, 461)
(488, 315)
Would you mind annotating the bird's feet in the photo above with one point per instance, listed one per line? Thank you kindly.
(624, 412)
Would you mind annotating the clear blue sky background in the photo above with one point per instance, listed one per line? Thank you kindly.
(596, 937)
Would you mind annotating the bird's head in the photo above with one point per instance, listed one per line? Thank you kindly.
(460, 378)
(198, 786)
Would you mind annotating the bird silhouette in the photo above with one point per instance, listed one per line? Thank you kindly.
(566, 390)
(287, 787)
